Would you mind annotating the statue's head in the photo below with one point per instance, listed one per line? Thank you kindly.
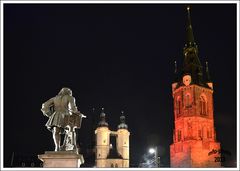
(65, 91)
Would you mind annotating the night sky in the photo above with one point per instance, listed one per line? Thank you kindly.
(120, 57)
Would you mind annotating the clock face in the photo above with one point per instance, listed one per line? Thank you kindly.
(187, 80)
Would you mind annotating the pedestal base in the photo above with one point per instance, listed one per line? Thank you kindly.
(61, 159)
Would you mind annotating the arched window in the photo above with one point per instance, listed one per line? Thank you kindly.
(188, 100)
(178, 106)
(112, 165)
(116, 165)
(203, 105)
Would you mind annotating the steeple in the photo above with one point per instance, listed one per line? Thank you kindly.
(190, 37)
(192, 65)
(102, 121)
(122, 124)
(190, 41)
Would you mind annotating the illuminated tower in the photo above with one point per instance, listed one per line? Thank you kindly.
(123, 141)
(108, 155)
(194, 137)
(102, 141)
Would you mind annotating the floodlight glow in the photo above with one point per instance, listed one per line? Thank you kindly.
(151, 150)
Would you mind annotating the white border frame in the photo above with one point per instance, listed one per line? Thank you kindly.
(116, 2)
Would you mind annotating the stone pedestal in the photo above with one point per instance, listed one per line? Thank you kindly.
(61, 159)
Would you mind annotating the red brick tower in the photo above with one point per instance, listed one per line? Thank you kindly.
(194, 136)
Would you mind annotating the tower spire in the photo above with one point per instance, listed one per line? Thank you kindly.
(190, 37)
(191, 65)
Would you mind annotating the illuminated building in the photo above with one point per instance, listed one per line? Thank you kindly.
(194, 136)
(108, 155)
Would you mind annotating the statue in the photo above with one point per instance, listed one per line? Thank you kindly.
(64, 118)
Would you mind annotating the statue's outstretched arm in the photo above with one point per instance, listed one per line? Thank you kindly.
(46, 107)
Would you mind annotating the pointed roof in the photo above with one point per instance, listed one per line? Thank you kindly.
(190, 37)
(122, 124)
(192, 65)
(102, 122)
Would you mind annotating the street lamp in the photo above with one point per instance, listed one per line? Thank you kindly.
(152, 150)
(156, 158)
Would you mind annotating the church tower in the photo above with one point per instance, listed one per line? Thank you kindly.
(123, 141)
(102, 141)
(108, 153)
(194, 136)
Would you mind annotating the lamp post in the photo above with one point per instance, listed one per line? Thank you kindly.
(156, 158)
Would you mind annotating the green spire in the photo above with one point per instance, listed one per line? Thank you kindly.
(190, 37)
(192, 65)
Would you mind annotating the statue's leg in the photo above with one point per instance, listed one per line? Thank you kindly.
(74, 138)
(56, 138)
(65, 140)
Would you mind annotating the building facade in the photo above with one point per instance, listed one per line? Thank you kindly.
(194, 137)
(108, 153)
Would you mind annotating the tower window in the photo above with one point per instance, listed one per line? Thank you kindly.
(209, 134)
(203, 106)
(179, 135)
(178, 106)
(188, 100)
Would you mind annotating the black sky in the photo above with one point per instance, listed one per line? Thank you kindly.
(120, 57)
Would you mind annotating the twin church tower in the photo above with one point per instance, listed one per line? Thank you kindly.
(194, 135)
(112, 147)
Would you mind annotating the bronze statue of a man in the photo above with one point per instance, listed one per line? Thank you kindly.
(64, 117)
